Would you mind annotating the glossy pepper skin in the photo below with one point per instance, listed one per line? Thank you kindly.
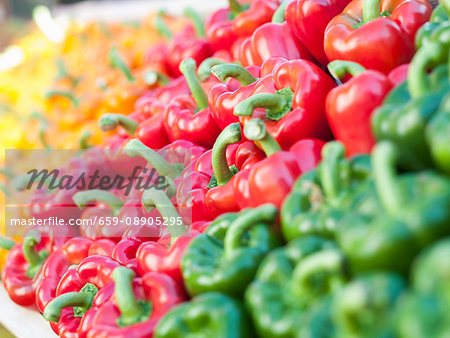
(225, 317)
(363, 26)
(349, 107)
(438, 20)
(417, 100)
(423, 310)
(413, 212)
(235, 244)
(319, 198)
(190, 118)
(282, 294)
(136, 306)
(308, 20)
(376, 295)
(296, 110)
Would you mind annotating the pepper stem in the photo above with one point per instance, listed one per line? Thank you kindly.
(136, 148)
(61, 93)
(34, 258)
(117, 61)
(80, 301)
(384, 158)
(256, 131)
(230, 135)
(204, 70)
(418, 83)
(6, 243)
(111, 121)
(246, 220)
(277, 104)
(196, 20)
(278, 16)
(83, 198)
(333, 154)
(133, 311)
(159, 199)
(162, 27)
(84, 144)
(227, 70)
(339, 69)
(152, 77)
(188, 68)
(371, 10)
(236, 7)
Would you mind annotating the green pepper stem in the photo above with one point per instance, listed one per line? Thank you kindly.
(196, 20)
(276, 104)
(236, 7)
(188, 67)
(152, 77)
(80, 301)
(67, 95)
(110, 122)
(384, 157)
(132, 310)
(159, 199)
(227, 70)
(329, 264)
(339, 68)
(230, 135)
(117, 61)
(278, 16)
(34, 258)
(246, 220)
(418, 83)
(333, 154)
(256, 131)
(204, 70)
(136, 148)
(83, 198)
(371, 10)
(162, 27)
(6, 243)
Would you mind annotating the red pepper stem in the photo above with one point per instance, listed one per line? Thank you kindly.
(256, 131)
(110, 122)
(152, 77)
(204, 70)
(159, 199)
(339, 68)
(80, 301)
(371, 10)
(83, 198)
(384, 158)
(418, 83)
(117, 61)
(136, 148)
(67, 95)
(6, 243)
(196, 20)
(276, 104)
(162, 27)
(246, 220)
(236, 7)
(230, 135)
(330, 264)
(133, 311)
(227, 70)
(278, 16)
(188, 67)
(34, 258)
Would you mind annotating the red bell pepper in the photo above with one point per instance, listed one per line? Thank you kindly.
(308, 20)
(189, 117)
(271, 179)
(75, 293)
(297, 108)
(350, 106)
(136, 306)
(365, 25)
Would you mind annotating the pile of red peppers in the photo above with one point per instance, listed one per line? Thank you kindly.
(245, 104)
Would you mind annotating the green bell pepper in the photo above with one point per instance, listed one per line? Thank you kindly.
(438, 136)
(316, 202)
(208, 315)
(291, 281)
(365, 306)
(414, 212)
(225, 258)
(438, 19)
